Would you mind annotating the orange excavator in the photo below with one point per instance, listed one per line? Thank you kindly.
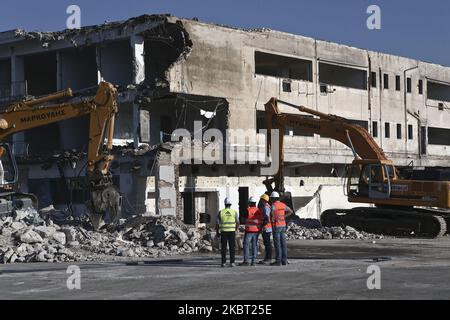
(29, 114)
(416, 206)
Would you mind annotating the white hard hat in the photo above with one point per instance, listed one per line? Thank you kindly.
(275, 195)
(253, 199)
(228, 201)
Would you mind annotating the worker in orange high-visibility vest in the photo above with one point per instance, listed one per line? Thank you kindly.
(253, 227)
(280, 211)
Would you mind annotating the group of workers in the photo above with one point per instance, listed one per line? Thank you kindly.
(266, 216)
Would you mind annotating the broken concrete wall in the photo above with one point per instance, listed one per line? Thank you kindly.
(226, 57)
(166, 186)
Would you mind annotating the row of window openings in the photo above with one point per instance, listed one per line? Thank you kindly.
(397, 83)
(387, 130)
(323, 88)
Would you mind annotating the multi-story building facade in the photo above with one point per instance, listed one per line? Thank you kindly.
(172, 72)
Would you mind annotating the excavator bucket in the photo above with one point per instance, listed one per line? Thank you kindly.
(104, 201)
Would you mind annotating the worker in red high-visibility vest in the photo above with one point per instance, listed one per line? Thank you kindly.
(253, 227)
(280, 211)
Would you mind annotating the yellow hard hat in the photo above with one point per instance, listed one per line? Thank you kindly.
(265, 197)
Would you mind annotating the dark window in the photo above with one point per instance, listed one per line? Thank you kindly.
(399, 131)
(261, 123)
(397, 83)
(420, 86)
(373, 79)
(42, 64)
(360, 123)
(282, 67)
(386, 81)
(423, 140)
(410, 132)
(5, 78)
(408, 85)
(342, 76)
(286, 86)
(166, 128)
(288, 130)
(439, 136)
(438, 91)
(387, 130)
(375, 129)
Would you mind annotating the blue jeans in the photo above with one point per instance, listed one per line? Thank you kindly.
(253, 239)
(267, 245)
(279, 241)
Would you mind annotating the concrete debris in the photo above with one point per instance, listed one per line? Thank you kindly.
(312, 230)
(138, 237)
(23, 238)
(30, 236)
(130, 150)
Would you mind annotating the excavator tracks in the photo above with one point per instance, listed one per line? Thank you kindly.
(414, 223)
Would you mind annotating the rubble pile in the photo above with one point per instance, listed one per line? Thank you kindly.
(27, 237)
(312, 230)
(51, 236)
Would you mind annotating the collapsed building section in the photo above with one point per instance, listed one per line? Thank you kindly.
(183, 74)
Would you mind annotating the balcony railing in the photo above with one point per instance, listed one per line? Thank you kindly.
(14, 91)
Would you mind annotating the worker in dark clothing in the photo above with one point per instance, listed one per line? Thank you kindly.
(227, 225)
(266, 210)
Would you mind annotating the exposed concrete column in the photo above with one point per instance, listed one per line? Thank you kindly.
(166, 186)
(18, 76)
(58, 71)
(136, 125)
(98, 60)
(137, 46)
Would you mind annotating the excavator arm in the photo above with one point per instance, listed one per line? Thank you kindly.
(400, 204)
(101, 110)
(327, 126)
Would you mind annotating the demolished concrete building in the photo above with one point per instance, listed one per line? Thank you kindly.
(172, 71)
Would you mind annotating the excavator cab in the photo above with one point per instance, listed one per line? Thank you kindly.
(8, 168)
(369, 179)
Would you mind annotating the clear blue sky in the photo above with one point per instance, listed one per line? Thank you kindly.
(413, 28)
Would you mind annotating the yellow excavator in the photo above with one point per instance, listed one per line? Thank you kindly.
(29, 114)
(415, 206)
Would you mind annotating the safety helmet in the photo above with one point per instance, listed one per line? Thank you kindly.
(228, 201)
(265, 197)
(253, 199)
(275, 195)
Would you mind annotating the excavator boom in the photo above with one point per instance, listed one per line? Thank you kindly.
(101, 110)
(327, 126)
(372, 178)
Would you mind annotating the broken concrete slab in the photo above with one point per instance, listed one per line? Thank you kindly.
(30, 236)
